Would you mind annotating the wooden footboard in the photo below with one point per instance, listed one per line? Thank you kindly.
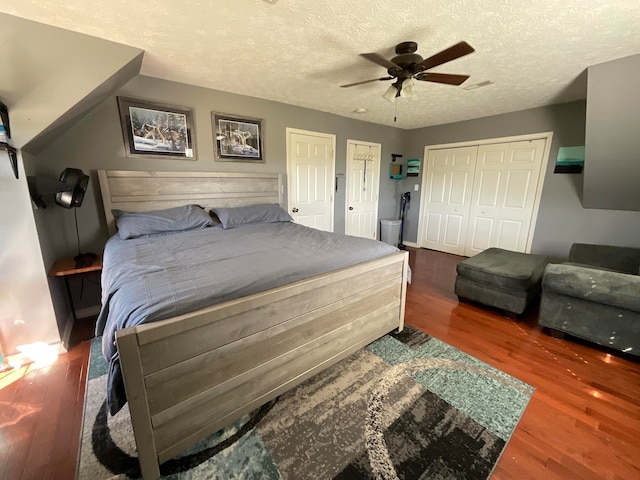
(191, 375)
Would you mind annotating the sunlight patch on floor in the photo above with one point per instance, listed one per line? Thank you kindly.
(33, 356)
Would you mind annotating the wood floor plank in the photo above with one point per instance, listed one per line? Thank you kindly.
(40, 432)
(583, 421)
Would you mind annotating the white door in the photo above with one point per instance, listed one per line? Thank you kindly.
(446, 199)
(311, 174)
(363, 184)
(504, 194)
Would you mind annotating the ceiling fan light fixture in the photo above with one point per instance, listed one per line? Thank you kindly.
(407, 90)
(391, 93)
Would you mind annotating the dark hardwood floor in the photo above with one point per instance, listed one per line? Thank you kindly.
(583, 420)
(41, 418)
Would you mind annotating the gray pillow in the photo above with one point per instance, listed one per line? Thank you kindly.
(177, 219)
(262, 213)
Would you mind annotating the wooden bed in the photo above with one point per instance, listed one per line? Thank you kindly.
(188, 376)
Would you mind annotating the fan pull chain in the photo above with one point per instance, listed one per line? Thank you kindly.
(395, 109)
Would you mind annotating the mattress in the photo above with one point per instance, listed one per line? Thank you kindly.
(157, 277)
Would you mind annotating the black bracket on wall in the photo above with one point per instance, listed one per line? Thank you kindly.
(12, 152)
(4, 115)
(13, 156)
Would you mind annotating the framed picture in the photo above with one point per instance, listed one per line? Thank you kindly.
(156, 130)
(237, 138)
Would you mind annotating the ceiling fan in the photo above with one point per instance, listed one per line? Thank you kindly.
(408, 65)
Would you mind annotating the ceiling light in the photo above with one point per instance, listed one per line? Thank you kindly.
(407, 88)
(391, 93)
(360, 110)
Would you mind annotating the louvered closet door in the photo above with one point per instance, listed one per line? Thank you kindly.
(448, 199)
(504, 191)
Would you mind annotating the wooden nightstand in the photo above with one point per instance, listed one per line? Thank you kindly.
(66, 268)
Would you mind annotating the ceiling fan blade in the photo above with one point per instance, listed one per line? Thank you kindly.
(366, 81)
(379, 59)
(456, 51)
(448, 78)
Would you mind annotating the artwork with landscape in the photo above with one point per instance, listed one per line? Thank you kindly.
(152, 129)
(237, 138)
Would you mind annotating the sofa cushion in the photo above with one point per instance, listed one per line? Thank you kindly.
(621, 259)
(504, 268)
(584, 265)
(595, 285)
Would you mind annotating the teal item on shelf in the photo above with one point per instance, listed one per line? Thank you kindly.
(396, 171)
(413, 167)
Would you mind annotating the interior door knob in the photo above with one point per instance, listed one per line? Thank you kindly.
(294, 210)
(350, 208)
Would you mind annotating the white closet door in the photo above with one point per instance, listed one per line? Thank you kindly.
(447, 189)
(504, 192)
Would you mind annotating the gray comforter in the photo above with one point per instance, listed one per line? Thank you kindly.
(157, 277)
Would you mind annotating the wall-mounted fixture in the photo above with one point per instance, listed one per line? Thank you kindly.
(69, 192)
(570, 160)
(413, 167)
(4, 119)
(396, 169)
(5, 134)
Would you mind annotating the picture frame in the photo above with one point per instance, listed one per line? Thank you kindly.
(157, 130)
(238, 138)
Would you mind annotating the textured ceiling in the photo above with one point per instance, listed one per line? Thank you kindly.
(300, 51)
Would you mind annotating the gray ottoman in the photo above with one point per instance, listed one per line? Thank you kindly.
(501, 278)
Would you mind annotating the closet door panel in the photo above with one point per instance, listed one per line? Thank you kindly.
(508, 235)
(480, 196)
(518, 189)
(523, 164)
(434, 223)
(480, 233)
(506, 179)
(488, 189)
(447, 187)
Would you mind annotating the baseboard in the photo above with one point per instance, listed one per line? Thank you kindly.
(410, 244)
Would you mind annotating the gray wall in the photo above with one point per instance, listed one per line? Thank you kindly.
(96, 142)
(561, 218)
(612, 166)
(49, 76)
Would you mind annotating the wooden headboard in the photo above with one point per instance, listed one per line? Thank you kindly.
(139, 191)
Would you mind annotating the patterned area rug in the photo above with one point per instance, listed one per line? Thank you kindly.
(406, 406)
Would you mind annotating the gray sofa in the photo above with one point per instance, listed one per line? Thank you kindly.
(595, 296)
